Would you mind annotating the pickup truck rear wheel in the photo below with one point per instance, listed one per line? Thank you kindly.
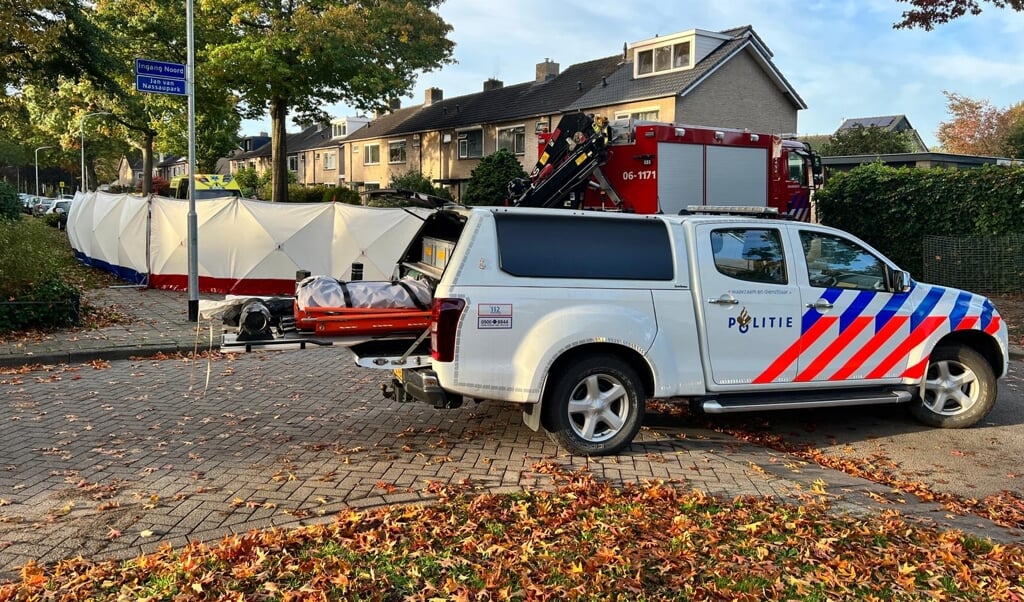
(959, 389)
(595, 406)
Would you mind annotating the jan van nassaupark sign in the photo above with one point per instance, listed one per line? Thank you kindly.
(159, 77)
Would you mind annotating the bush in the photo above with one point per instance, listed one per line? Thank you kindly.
(10, 205)
(52, 302)
(32, 290)
(341, 194)
(893, 209)
(27, 256)
(415, 181)
(303, 194)
(488, 183)
(52, 219)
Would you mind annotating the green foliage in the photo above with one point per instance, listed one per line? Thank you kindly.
(52, 302)
(250, 180)
(294, 58)
(860, 140)
(341, 194)
(893, 209)
(488, 183)
(32, 290)
(27, 256)
(52, 219)
(415, 181)
(10, 206)
(308, 194)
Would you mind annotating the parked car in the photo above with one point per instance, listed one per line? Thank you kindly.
(60, 206)
(42, 205)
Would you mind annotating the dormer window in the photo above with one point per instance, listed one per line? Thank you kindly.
(339, 130)
(661, 59)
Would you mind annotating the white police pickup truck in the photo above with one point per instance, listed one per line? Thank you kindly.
(580, 317)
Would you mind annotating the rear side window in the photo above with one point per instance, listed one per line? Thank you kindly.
(584, 247)
(752, 254)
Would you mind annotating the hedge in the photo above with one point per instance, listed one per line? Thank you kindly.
(893, 209)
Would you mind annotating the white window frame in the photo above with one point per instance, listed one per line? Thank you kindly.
(398, 144)
(371, 185)
(639, 114)
(463, 138)
(339, 130)
(293, 163)
(518, 133)
(368, 152)
(330, 160)
(663, 58)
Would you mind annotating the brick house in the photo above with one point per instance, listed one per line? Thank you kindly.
(695, 77)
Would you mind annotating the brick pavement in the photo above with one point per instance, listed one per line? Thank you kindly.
(116, 461)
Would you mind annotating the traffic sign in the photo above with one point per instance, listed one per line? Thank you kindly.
(159, 69)
(160, 85)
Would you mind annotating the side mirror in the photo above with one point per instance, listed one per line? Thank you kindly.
(897, 281)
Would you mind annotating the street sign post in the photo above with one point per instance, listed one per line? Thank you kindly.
(160, 77)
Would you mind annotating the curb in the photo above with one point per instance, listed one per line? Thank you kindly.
(83, 356)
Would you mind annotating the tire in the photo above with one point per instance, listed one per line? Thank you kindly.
(959, 389)
(595, 406)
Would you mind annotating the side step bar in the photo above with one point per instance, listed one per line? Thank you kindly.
(793, 401)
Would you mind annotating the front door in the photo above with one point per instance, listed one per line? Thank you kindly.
(751, 304)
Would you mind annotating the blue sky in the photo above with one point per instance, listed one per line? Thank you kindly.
(842, 56)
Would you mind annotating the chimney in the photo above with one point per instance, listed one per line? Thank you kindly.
(493, 84)
(433, 95)
(547, 70)
(394, 104)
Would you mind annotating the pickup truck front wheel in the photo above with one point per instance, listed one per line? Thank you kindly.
(595, 406)
(959, 389)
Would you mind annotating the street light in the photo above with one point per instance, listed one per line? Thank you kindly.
(37, 166)
(85, 178)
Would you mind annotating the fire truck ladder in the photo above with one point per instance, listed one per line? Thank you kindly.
(575, 150)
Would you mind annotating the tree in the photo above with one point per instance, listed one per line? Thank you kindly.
(488, 183)
(859, 140)
(47, 39)
(978, 128)
(926, 14)
(156, 30)
(294, 57)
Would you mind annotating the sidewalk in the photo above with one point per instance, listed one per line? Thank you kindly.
(161, 325)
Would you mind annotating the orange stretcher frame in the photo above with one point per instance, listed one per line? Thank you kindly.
(336, 321)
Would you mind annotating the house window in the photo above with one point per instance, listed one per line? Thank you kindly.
(371, 186)
(371, 156)
(512, 139)
(330, 161)
(661, 59)
(396, 151)
(681, 55)
(645, 62)
(293, 163)
(471, 144)
(641, 115)
(339, 129)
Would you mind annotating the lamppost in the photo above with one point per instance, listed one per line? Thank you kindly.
(85, 177)
(37, 166)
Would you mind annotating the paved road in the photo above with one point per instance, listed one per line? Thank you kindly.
(114, 461)
(973, 463)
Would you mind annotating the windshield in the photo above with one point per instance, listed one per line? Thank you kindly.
(216, 194)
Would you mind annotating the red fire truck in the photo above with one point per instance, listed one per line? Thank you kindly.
(647, 167)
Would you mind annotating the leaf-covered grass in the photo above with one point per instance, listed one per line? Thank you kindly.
(583, 540)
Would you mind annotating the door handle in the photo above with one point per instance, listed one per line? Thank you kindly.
(724, 300)
(820, 304)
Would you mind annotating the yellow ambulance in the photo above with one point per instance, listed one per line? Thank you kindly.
(208, 186)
